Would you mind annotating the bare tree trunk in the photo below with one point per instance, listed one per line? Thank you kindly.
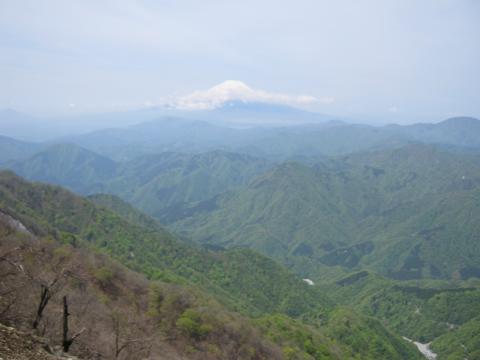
(44, 298)
(116, 330)
(66, 341)
(120, 345)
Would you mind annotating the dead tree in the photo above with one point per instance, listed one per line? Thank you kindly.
(67, 341)
(46, 294)
(123, 344)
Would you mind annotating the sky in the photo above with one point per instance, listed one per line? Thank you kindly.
(378, 60)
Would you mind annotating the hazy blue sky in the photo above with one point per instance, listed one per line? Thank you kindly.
(397, 60)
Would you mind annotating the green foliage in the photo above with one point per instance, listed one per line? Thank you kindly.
(298, 340)
(185, 317)
(324, 220)
(68, 165)
(407, 213)
(104, 275)
(461, 343)
(341, 335)
(353, 213)
(191, 324)
(419, 310)
(124, 209)
(410, 313)
(367, 338)
(62, 254)
(158, 184)
(240, 278)
(244, 280)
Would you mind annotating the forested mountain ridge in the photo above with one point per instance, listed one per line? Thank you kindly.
(113, 312)
(69, 165)
(12, 149)
(226, 180)
(305, 140)
(394, 211)
(459, 131)
(69, 228)
(71, 219)
(159, 184)
(151, 182)
(443, 313)
(404, 209)
(287, 142)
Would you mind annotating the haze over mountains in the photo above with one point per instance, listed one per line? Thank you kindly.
(231, 103)
(227, 182)
(226, 186)
(359, 210)
(269, 130)
(255, 180)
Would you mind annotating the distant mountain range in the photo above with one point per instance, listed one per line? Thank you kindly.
(381, 221)
(256, 114)
(323, 199)
(259, 129)
(236, 114)
(300, 142)
(392, 210)
(45, 128)
(277, 143)
(11, 149)
(159, 183)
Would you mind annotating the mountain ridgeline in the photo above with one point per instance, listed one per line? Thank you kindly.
(321, 240)
(152, 182)
(393, 211)
(305, 140)
(77, 238)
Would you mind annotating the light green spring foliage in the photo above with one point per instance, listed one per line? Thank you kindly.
(395, 212)
(240, 279)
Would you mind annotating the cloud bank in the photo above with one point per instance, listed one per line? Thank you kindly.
(233, 90)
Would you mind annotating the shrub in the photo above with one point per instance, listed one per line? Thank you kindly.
(62, 254)
(104, 275)
(289, 353)
(190, 324)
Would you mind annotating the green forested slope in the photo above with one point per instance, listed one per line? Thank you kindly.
(462, 343)
(162, 184)
(125, 210)
(421, 310)
(265, 287)
(402, 212)
(159, 184)
(12, 149)
(241, 279)
(406, 213)
(68, 165)
(120, 314)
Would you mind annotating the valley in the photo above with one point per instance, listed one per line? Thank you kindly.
(239, 180)
(372, 228)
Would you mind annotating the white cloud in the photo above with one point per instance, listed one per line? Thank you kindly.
(393, 109)
(233, 90)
